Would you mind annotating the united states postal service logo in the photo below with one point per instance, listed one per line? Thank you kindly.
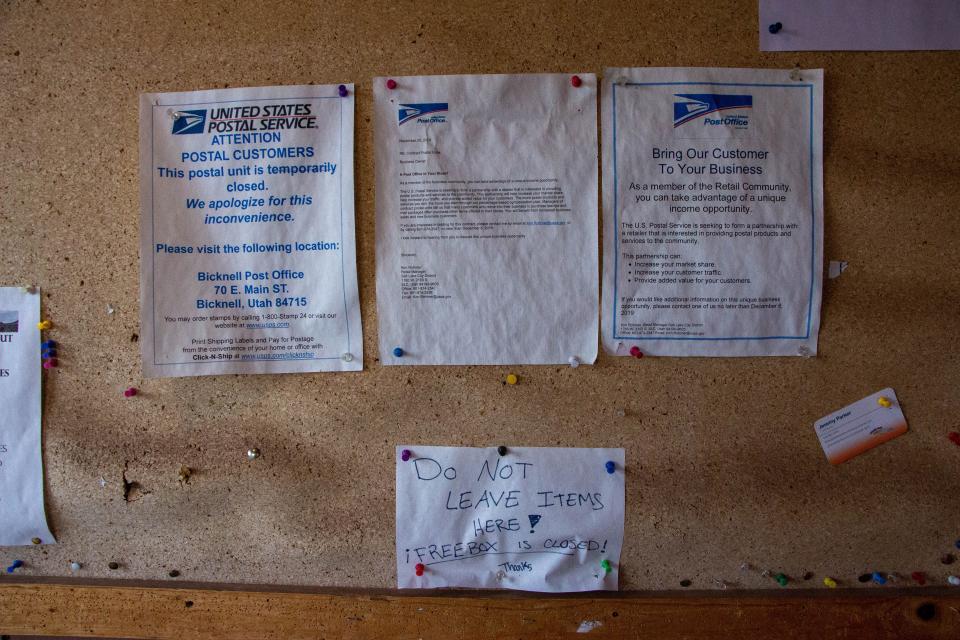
(9, 322)
(189, 122)
(424, 113)
(691, 106)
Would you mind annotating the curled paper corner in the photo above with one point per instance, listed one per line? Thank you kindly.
(589, 625)
(835, 268)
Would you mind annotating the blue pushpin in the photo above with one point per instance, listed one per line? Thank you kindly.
(397, 352)
(16, 565)
(957, 543)
(342, 90)
(611, 466)
(49, 344)
(50, 353)
(775, 27)
(878, 578)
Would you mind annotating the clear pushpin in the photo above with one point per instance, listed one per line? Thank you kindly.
(746, 567)
(29, 289)
(620, 412)
(110, 309)
(500, 575)
(835, 268)
(574, 362)
(347, 357)
(795, 75)
(720, 584)
(804, 351)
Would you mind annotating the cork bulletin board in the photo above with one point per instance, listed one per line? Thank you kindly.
(723, 466)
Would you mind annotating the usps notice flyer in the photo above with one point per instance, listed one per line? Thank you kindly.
(534, 519)
(487, 219)
(713, 211)
(247, 242)
(22, 518)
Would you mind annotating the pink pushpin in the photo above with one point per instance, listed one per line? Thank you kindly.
(576, 81)
(405, 455)
(635, 352)
(419, 569)
(391, 84)
(49, 364)
(129, 393)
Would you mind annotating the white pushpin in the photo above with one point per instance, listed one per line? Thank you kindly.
(74, 566)
(954, 580)
(110, 309)
(574, 362)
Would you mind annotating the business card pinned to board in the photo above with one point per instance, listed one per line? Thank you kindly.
(861, 426)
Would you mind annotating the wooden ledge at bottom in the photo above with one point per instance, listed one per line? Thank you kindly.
(115, 610)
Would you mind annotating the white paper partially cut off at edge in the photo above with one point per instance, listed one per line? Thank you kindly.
(22, 516)
(535, 519)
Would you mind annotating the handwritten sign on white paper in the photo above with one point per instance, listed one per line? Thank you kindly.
(534, 519)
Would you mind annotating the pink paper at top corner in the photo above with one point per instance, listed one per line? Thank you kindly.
(860, 25)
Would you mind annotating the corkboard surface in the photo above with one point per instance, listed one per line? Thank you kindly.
(723, 464)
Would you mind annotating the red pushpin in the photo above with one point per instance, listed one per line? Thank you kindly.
(419, 569)
(50, 364)
(635, 352)
(391, 84)
(129, 393)
(954, 437)
(919, 578)
(576, 81)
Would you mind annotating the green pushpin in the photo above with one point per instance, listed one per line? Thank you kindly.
(781, 579)
(605, 565)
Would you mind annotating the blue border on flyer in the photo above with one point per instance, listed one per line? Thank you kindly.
(153, 270)
(616, 225)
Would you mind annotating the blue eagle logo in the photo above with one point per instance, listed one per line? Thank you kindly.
(410, 112)
(189, 122)
(694, 105)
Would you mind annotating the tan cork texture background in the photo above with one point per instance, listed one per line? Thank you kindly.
(723, 463)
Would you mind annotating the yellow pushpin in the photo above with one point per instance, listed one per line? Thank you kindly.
(884, 402)
(830, 582)
(43, 325)
(512, 378)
